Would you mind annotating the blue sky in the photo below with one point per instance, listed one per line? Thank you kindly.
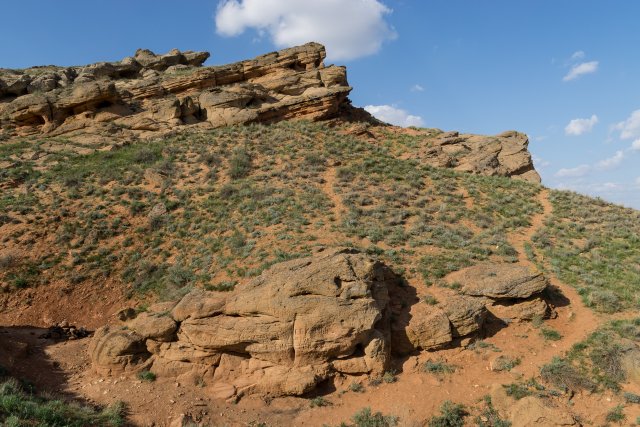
(564, 72)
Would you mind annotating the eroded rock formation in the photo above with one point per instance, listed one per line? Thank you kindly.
(505, 154)
(148, 95)
(511, 291)
(299, 323)
(149, 92)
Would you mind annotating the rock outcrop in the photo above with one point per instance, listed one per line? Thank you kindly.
(149, 92)
(505, 154)
(299, 323)
(148, 95)
(510, 291)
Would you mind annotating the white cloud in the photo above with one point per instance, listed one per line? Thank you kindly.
(348, 28)
(581, 69)
(636, 145)
(578, 171)
(580, 126)
(577, 55)
(393, 115)
(417, 88)
(611, 162)
(630, 128)
(638, 182)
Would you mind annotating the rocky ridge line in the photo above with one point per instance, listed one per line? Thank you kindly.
(108, 104)
(149, 92)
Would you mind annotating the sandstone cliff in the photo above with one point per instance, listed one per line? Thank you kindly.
(149, 92)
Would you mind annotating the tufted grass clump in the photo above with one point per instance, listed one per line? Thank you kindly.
(366, 418)
(19, 407)
(451, 415)
(438, 367)
(147, 376)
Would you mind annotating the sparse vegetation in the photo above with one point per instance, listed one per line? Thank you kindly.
(318, 402)
(505, 363)
(565, 376)
(23, 408)
(451, 415)
(438, 367)
(147, 376)
(616, 415)
(550, 334)
(594, 246)
(517, 391)
(489, 416)
(356, 387)
(366, 418)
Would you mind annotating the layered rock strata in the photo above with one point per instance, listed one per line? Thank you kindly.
(149, 92)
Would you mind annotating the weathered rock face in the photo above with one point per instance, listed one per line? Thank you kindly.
(286, 331)
(500, 281)
(510, 291)
(294, 326)
(149, 92)
(505, 154)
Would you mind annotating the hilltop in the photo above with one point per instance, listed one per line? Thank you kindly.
(277, 255)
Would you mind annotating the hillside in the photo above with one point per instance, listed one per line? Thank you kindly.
(95, 220)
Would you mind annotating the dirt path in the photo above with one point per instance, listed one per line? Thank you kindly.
(573, 309)
(328, 189)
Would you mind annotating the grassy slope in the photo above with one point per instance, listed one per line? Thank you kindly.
(594, 246)
(241, 199)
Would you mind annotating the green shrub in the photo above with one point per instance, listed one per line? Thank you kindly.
(318, 402)
(147, 376)
(616, 415)
(563, 375)
(222, 286)
(438, 367)
(356, 387)
(390, 377)
(550, 334)
(365, 418)
(631, 397)
(517, 391)
(489, 417)
(239, 163)
(505, 363)
(451, 415)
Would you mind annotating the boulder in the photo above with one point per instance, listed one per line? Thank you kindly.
(527, 309)
(424, 327)
(505, 154)
(466, 314)
(157, 327)
(281, 334)
(500, 281)
(116, 350)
